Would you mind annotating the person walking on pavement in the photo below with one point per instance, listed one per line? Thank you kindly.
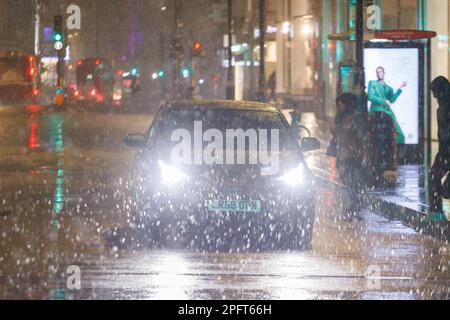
(440, 88)
(272, 84)
(382, 97)
(349, 142)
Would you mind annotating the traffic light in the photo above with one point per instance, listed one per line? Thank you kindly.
(197, 48)
(185, 72)
(161, 73)
(177, 47)
(134, 71)
(58, 35)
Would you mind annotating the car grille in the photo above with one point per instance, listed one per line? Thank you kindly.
(233, 177)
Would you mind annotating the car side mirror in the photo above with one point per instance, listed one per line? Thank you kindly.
(135, 140)
(310, 144)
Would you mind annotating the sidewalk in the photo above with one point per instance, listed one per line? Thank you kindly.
(406, 202)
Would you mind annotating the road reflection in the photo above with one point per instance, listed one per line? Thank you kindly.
(78, 191)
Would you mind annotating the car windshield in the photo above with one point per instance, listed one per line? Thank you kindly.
(224, 121)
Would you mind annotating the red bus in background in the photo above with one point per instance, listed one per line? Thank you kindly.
(19, 79)
(94, 82)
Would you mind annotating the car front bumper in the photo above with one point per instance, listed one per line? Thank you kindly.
(285, 217)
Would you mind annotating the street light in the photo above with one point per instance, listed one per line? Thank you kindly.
(286, 27)
(307, 29)
(230, 75)
(262, 39)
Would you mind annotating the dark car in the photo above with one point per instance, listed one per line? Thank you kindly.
(193, 190)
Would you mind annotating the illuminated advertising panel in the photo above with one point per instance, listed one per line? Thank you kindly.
(394, 85)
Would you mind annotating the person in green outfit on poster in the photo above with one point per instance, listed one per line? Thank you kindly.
(383, 97)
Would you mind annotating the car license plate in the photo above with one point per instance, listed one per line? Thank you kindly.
(234, 206)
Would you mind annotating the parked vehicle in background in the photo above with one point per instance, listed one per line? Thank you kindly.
(19, 79)
(126, 89)
(94, 82)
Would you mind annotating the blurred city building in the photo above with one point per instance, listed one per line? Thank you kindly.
(308, 41)
(309, 44)
(16, 26)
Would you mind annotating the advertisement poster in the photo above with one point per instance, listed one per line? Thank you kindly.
(392, 82)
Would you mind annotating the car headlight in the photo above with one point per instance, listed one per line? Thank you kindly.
(293, 178)
(171, 175)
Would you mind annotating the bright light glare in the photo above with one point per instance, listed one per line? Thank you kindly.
(154, 76)
(307, 29)
(171, 175)
(286, 27)
(294, 177)
(117, 95)
(57, 37)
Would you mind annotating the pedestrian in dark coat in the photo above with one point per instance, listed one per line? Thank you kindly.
(350, 136)
(440, 88)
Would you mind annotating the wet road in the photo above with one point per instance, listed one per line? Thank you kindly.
(64, 192)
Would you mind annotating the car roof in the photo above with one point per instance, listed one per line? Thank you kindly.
(223, 104)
